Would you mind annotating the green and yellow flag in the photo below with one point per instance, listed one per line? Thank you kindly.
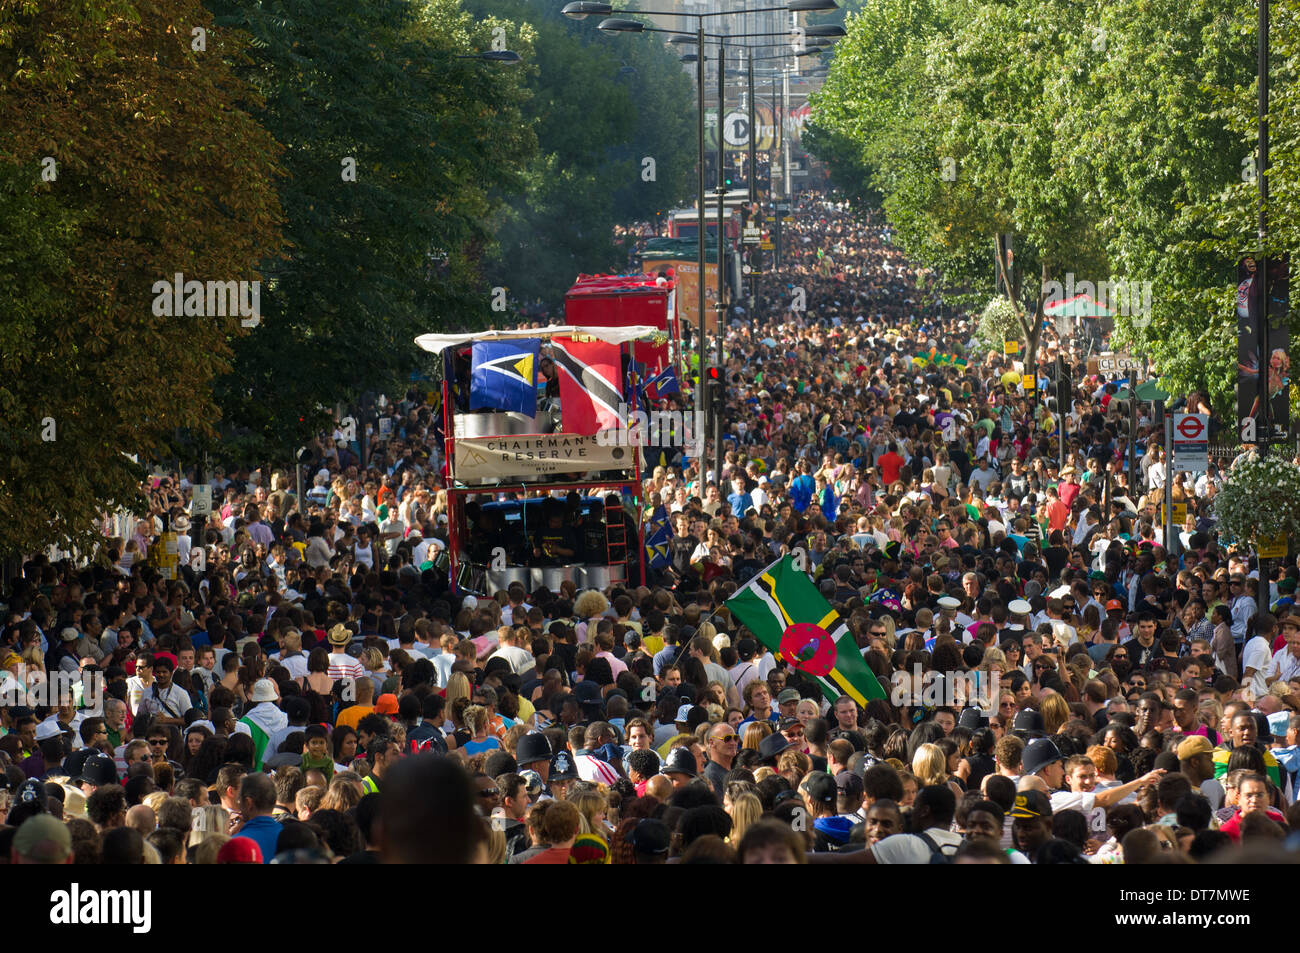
(784, 610)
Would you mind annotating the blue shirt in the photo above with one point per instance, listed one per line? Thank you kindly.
(265, 831)
(739, 503)
(801, 491)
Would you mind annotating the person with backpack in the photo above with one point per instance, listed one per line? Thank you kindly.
(932, 840)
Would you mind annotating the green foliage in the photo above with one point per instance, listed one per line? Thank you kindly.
(376, 261)
(155, 170)
(1108, 138)
(1259, 497)
(601, 105)
(999, 322)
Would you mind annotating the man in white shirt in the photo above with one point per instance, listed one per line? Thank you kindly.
(932, 814)
(983, 475)
(1083, 796)
(1286, 660)
(166, 701)
(1243, 606)
(1257, 656)
(520, 659)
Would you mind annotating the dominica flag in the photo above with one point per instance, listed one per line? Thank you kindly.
(784, 610)
(502, 376)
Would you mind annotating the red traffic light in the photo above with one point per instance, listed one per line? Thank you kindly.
(713, 373)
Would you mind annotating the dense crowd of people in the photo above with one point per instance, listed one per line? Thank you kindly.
(309, 689)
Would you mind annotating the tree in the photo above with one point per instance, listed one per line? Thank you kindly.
(395, 151)
(601, 105)
(124, 160)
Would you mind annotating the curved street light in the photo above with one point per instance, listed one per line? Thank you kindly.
(509, 57)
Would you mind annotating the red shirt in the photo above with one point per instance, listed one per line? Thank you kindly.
(1232, 827)
(890, 464)
(552, 855)
(1068, 491)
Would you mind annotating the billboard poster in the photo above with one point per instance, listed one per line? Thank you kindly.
(1252, 405)
(688, 294)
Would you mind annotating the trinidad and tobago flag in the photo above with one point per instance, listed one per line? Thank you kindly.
(786, 613)
(590, 372)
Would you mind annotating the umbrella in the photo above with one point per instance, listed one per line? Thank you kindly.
(1080, 306)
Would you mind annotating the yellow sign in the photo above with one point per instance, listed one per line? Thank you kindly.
(1027, 382)
(1271, 547)
(1010, 347)
(1180, 514)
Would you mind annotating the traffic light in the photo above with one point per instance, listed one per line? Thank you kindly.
(1063, 384)
(713, 385)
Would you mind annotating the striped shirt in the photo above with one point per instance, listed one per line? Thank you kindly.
(343, 665)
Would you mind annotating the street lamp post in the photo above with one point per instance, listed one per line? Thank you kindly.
(581, 9)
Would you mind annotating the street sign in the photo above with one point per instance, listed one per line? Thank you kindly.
(1010, 346)
(753, 235)
(1271, 547)
(1180, 514)
(766, 246)
(783, 206)
(1114, 364)
(201, 500)
(1027, 382)
(1191, 442)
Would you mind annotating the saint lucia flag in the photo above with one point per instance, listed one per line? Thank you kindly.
(662, 384)
(656, 548)
(786, 613)
(502, 376)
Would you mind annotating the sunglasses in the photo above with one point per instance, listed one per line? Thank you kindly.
(489, 792)
(726, 738)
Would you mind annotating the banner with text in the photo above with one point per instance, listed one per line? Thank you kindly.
(506, 457)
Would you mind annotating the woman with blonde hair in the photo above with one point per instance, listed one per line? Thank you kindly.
(589, 607)
(206, 821)
(593, 806)
(930, 765)
(1055, 711)
(755, 732)
(745, 811)
(480, 738)
(341, 795)
(458, 686)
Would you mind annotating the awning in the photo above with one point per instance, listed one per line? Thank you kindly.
(638, 332)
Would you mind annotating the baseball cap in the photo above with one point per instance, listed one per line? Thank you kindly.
(650, 836)
(386, 704)
(848, 784)
(787, 695)
(240, 850)
(42, 839)
(822, 788)
(1039, 754)
(1031, 804)
(1189, 748)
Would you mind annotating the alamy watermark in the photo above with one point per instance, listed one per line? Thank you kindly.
(81, 690)
(208, 299)
(1132, 299)
(658, 428)
(931, 689)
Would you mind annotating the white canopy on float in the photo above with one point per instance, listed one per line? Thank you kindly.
(616, 335)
